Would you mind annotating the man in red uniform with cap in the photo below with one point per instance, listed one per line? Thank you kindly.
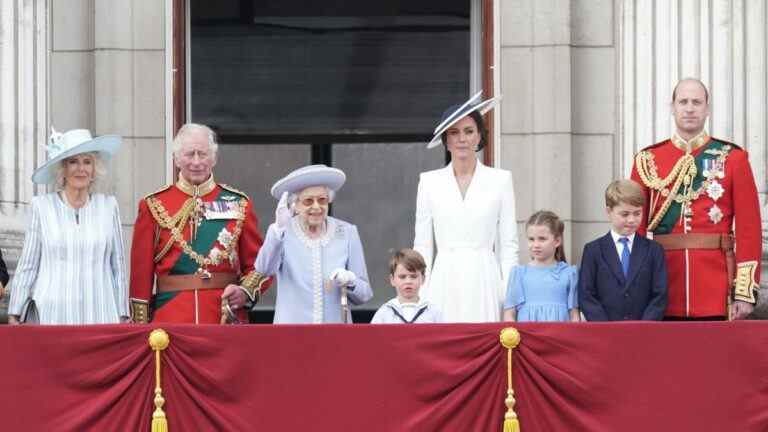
(696, 186)
(194, 243)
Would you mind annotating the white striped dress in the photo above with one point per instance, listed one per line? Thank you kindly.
(73, 263)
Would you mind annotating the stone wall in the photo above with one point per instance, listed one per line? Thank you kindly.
(558, 115)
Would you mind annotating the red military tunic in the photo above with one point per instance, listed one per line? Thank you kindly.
(216, 233)
(722, 190)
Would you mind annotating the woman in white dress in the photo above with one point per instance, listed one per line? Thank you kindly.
(72, 267)
(465, 220)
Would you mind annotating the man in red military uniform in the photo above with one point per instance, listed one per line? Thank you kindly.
(696, 187)
(194, 243)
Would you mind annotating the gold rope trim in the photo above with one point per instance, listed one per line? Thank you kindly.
(158, 341)
(684, 170)
(682, 174)
(510, 339)
(165, 221)
(176, 225)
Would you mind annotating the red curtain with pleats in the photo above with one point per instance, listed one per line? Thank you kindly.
(567, 377)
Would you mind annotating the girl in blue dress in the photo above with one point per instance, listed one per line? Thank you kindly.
(545, 288)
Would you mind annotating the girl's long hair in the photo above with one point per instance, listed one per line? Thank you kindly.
(556, 226)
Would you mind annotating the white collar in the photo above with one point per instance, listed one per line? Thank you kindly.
(616, 237)
(396, 303)
(330, 230)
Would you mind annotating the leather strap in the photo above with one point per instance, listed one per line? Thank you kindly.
(173, 283)
(724, 242)
(695, 241)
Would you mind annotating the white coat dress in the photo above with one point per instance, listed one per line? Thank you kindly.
(473, 241)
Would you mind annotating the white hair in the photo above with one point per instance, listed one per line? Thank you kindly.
(99, 172)
(189, 129)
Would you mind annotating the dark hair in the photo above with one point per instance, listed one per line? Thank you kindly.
(556, 226)
(696, 80)
(478, 118)
(408, 258)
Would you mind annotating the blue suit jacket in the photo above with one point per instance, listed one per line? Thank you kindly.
(606, 295)
(3, 271)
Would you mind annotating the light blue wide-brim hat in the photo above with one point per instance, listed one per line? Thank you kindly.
(71, 143)
(308, 176)
(457, 112)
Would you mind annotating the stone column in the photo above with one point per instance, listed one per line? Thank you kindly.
(23, 115)
(129, 96)
(536, 107)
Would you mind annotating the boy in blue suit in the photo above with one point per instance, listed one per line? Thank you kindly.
(623, 276)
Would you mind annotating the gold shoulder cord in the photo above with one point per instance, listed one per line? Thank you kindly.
(683, 171)
(176, 225)
(179, 220)
(682, 174)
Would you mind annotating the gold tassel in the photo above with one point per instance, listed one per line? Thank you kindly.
(158, 341)
(510, 338)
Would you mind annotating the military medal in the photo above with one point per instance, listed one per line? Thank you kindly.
(215, 255)
(715, 214)
(708, 168)
(225, 237)
(715, 190)
(222, 210)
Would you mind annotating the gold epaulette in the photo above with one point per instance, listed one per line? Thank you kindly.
(744, 286)
(162, 189)
(139, 311)
(233, 190)
(252, 284)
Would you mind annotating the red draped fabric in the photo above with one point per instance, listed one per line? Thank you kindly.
(567, 377)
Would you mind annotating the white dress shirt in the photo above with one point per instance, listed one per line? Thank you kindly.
(619, 245)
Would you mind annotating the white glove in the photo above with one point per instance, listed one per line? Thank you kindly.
(343, 277)
(283, 214)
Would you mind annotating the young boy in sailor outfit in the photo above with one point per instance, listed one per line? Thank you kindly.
(406, 274)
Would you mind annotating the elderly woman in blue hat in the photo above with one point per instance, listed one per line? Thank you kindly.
(72, 267)
(465, 221)
(318, 259)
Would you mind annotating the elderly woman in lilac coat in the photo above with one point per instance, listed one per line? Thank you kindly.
(318, 260)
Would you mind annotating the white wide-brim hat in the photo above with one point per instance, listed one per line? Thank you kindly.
(308, 176)
(71, 143)
(457, 112)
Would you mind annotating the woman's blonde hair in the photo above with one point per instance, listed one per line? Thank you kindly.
(99, 172)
